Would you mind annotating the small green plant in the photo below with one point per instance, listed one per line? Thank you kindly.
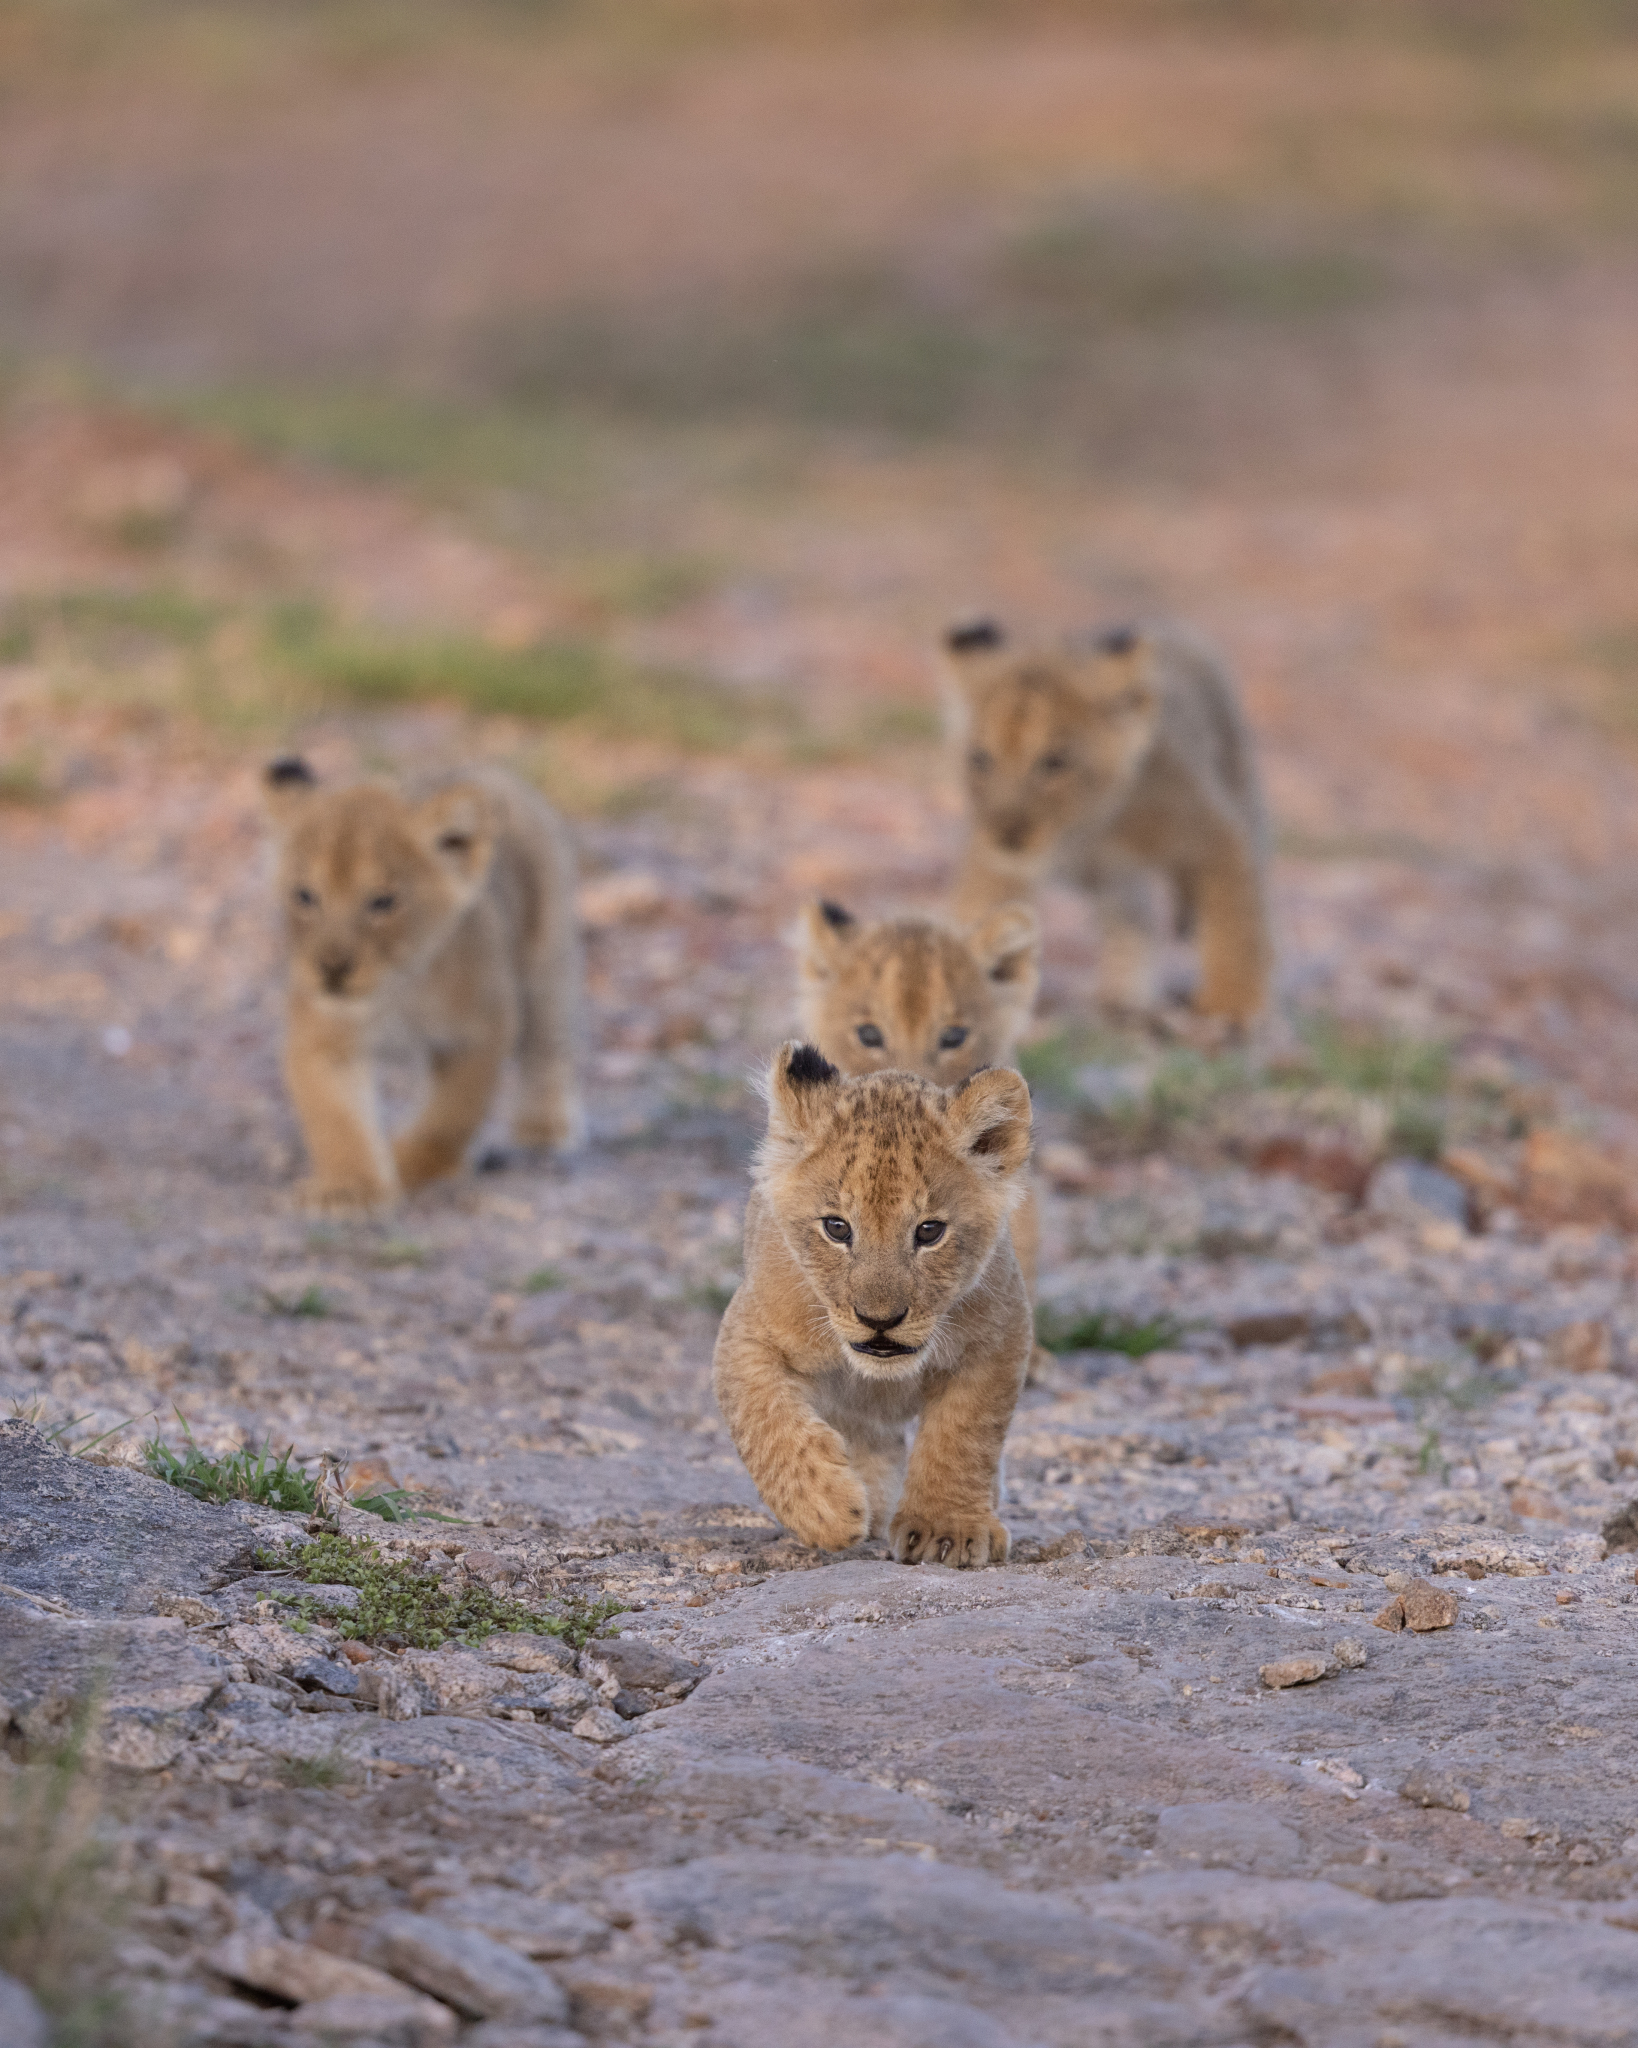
(23, 783)
(401, 1251)
(311, 1302)
(59, 1909)
(60, 1433)
(1430, 1459)
(710, 1294)
(244, 1474)
(404, 1604)
(317, 1773)
(1103, 1331)
(257, 1475)
(1367, 1060)
(542, 1280)
(1417, 1130)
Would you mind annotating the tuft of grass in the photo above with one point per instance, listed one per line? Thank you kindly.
(244, 1474)
(23, 783)
(542, 1280)
(403, 1604)
(311, 1302)
(59, 1908)
(1103, 1331)
(256, 1475)
(401, 1251)
(1367, 1060)
(317, 1773)
(710, 1294)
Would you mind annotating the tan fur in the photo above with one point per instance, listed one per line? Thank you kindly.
(821, 1423)
(914, 982)
(1119, 763)
(446, 913)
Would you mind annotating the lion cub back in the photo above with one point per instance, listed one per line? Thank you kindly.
(915, 995)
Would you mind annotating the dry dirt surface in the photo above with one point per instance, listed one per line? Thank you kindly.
(1302, 1713)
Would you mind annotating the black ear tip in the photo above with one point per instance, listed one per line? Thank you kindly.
(972, 636)
(809, 1067)
(1117, 640)
(835, 916)
(289, 771)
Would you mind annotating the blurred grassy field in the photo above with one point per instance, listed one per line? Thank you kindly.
(665, 296)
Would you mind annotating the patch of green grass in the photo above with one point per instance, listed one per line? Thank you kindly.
(24, 784)
(710, 1294)
(1417, 1130)
(403, 1603)
(59, 1907)
(1102, 1330)
(257, 1475)
(107, 624)
(393, 1252)
(1367, 1060)
(61, 1433)
(543, 1279)
(244, 1474)
(317, 1773)
(312, 1302)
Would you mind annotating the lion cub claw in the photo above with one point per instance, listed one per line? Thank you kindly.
(881, 1286)
(958, 1539)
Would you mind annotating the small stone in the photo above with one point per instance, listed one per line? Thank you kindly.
(1519, 1827)
(1429, 1607)
(293, 1971)
(482, 1978)
(1066, 1167)
(509, 2034)
(1407, 1191)
(628, 898)
(1292, 1671)
(1428, 1786)
(1348, 1654)
(381, 2022)
(325, 1674)
(1278, 1326)
(1392, 1616)
(1581, 1347)
(195, 1613)
(22, 2024)
(640, 1665)
(520, 1652)
(598, 1724)
(399, 1694)
(1620, 1531)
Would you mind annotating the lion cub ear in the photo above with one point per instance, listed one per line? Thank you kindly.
(800, 1085)
(1007, 946)
(989, 1120)
(287, 783)
(1115, 671)
(823, 934)
(457, 826)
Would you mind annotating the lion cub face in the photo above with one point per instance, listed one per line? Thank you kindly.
(891, 1193)
(1050, 736)
(371, 881)
(912, 995)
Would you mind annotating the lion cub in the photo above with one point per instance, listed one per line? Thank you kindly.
(912, 994)
(880, 1288)
(1121, 761)
(447, 913)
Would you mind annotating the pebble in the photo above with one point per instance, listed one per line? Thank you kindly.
(379, 2022)
(1428, 1786)
(1067, 1167)
(482, 1978)
(1420, 1607)
(1407, 1191)
(1293, 1671)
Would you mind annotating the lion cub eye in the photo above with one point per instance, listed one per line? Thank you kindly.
(980, 762)
(948, 1041)
(1053, 764)
(304, 897)
(837, 1229)
(929, 1233)
(870, 1034)
(381, 904)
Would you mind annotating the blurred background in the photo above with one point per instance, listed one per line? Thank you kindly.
(631, 391)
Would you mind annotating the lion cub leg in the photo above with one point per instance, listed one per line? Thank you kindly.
(953, 1487)
(1235, 947)
(799, 1463)
(331, 1077)
(1128, 930)
(464, 1079)
(549, 1109)
(878, 1456)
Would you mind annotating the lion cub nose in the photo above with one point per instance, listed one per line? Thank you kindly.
(880, 1324)
(335, 967)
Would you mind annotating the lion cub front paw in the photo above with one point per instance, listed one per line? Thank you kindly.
(947, 1536)
(344, 1198)
(830, 1509)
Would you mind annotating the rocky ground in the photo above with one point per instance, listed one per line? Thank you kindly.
(1300, 1714)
